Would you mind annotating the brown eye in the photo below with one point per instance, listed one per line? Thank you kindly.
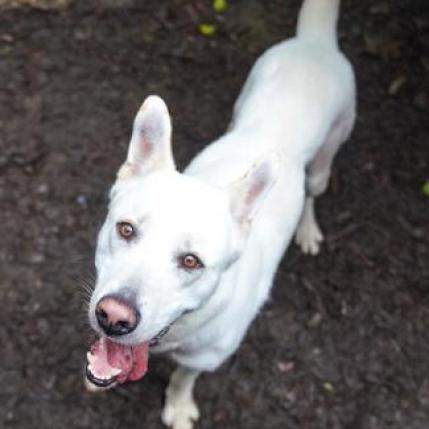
(125, 230)
(190, 262)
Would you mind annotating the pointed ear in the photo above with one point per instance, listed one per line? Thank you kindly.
(150, 145)
(248, 194)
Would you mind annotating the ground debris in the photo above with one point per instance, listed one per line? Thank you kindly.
(37, 4)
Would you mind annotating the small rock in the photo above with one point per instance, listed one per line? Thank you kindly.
(82, 200)
(369, 166)
(43, 326)
(81, 34)
(7, 38)
(315, 320)
(291, 396)
(49, 382)
(37, 258)
(42, 189)
(423, 393)
(396, 85)
(285, 366)
(344, 308)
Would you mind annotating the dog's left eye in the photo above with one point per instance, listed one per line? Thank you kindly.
(190, 262)
(125, 230)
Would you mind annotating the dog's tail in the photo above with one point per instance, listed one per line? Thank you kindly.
(317, 21)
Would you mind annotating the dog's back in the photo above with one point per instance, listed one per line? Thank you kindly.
(294, 93)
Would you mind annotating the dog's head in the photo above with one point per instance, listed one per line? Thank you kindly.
(167, 237)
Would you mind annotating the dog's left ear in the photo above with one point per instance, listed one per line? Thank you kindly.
(248, 194)
(150, 145)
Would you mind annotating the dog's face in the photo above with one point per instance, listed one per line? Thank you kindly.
(166, 240)
(167, 237)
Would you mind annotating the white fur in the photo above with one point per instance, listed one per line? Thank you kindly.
(293, 113)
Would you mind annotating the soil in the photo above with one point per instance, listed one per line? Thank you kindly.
(344, 341)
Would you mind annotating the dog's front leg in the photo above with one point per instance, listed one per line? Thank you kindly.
(180, 409)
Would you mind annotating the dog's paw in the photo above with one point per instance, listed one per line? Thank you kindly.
(180, 415)
(308, 237)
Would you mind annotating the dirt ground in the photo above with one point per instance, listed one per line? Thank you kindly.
(344, 342)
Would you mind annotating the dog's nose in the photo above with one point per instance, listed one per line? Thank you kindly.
(116, 316)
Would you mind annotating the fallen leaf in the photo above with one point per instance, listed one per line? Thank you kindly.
(425, 188)
(207, 29)
(328, 387)
(219, 5)
(5, 50)
(396, 85)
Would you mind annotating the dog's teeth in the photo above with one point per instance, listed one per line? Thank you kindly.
(116, 371)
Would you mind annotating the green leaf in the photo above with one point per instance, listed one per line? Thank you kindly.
(207, 29)
(425, 188)
(220, 5)
(5, 50)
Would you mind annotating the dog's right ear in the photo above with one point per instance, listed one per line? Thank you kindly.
(248, 194)
(150, 145)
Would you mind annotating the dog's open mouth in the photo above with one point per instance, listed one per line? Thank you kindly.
(110, 363)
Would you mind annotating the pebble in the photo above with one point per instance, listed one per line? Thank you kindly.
(37, 258)
(285, 366)
(42, 189)
(315, 320)
(82, 200)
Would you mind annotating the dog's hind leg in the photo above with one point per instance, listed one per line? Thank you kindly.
(180, 410)
(308, 235)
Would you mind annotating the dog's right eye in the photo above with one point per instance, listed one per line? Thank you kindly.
(125, 230)
(190, 262)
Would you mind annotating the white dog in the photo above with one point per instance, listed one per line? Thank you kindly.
(186, 260)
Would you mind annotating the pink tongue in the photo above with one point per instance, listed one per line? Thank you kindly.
(140, 356)
(132, 361)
